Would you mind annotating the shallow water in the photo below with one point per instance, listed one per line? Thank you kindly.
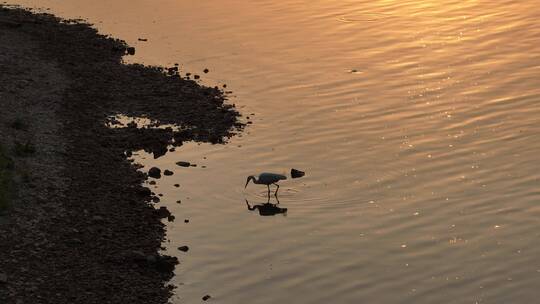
(417, 123)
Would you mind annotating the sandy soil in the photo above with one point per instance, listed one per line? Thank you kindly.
(81, 228)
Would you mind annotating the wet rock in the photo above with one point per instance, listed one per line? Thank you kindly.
(206, 297)
(183, 164)
(176, 185)
(171, 218)
(186, 221)
(154, 172)
(152, 182)
(143, 39)
(168, 172)
(178, 201)
(130, 51)
(166, 263)
(206, 71)
(183, 248)
(144, 191)
(162, 212)
(297, 173)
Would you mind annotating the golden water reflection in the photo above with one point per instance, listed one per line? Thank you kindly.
(417, 123)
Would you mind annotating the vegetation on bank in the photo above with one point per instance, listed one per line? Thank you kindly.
(6, 166)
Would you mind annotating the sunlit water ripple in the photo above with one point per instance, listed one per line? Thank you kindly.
(417, 123)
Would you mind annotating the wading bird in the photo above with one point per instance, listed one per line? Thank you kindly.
(266, 179)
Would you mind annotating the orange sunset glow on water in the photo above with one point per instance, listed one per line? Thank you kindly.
(417, 124)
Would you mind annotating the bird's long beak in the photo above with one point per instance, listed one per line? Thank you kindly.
(247, 181)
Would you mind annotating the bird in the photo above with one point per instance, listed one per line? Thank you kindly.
(266, 179)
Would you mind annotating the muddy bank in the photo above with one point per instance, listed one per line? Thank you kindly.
(81, 228)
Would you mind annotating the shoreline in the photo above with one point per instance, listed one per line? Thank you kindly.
(80, 227)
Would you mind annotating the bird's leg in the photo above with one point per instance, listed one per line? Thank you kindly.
(277, 189)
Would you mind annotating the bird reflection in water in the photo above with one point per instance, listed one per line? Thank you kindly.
(267, 209)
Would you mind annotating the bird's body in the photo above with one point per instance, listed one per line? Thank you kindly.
(266, 179)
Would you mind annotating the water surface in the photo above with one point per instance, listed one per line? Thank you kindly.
(417, 123)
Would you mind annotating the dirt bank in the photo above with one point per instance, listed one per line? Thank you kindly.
(80, 227)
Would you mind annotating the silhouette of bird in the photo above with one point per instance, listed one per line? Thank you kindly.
(266, 179)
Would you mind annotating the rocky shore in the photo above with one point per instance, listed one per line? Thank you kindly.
(80, 227)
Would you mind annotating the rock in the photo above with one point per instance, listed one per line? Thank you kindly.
(3, 278)
(143, 39)
(166, 263)
(176, 185)
(183, 248)
(154, 172)
(168, 172)
(178, 201)
(206, 71)
(183, 164)
(186, 221)
(206, 297)
(297, 173)
(171, 218)
(162, 212)
(152, 182)
(143, 191)
(130, 51)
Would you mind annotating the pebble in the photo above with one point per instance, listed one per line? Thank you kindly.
(176, 185)
(206, 297)
(144, 191)
(168, 172)
(183, 164)
(183, 248)
(154, 172)
(206, 71)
